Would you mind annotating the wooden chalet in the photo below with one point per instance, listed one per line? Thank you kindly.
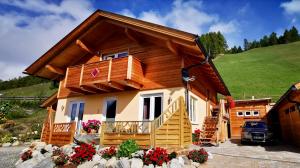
(284, 116)
(247, 110)
(127, 73)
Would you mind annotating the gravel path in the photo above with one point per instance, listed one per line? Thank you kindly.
(9, 156)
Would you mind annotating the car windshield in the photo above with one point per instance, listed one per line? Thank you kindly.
(255, 125)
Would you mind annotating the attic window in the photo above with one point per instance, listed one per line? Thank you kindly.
(247, 113)
(240, 114)
(255, 113)
(115, 55)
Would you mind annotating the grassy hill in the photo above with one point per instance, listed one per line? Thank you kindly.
(261, 72)
(42, 89)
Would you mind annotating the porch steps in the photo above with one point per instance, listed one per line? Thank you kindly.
(209, 129)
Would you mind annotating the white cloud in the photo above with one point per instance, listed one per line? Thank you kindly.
(292, 7)
(225, 28)
(24, 38)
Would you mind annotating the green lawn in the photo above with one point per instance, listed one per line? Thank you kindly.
(42, 89)
(261, 72)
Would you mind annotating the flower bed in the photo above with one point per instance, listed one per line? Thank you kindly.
(88, 155)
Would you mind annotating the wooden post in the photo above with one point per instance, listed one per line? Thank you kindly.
(102, 133)
(50, 124)
(72, 130)
(181, 110)
(152, 134)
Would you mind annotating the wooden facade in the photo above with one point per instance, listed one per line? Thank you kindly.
(247, 110)
(88, 66)
(284, 117)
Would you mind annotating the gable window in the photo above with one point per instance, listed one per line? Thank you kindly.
(192, 109)
(247, 113)
(255, 113)
(240, 114)
(115, 55)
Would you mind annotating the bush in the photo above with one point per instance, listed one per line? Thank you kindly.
(156, 156)
(109, 152)
(127, 147)
(4, 110)
(7, 138)
(199, 156)
(84, 152)
(36, 129)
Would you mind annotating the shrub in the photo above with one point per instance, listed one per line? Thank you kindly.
(91, 124)
(4, 110)
(84, 152)
(109, 152)
(172, 155)
(127, 147)
(7, 138)
(26, 155)
(156, 156)
(36, 129)
(199, 156)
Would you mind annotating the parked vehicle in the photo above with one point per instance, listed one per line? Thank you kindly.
(255, 131)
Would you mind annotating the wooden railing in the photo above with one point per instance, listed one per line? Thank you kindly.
(129, 127)
(125, 71)
(158, 122)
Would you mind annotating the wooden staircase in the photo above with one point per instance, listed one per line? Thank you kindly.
(209, 134)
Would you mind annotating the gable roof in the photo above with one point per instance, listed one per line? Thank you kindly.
(180, 38)
(295, 88)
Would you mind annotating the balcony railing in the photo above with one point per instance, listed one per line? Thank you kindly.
(128, 127)
(115, 74)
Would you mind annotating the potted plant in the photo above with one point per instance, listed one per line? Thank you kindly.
(91, 126)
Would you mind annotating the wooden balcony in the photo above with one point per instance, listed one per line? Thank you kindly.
(105, 76)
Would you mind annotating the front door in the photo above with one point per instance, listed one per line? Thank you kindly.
(110, 109)
(150, 106)
(76, 114)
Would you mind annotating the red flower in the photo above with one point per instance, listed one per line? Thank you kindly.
(82, 153)
(156, 156)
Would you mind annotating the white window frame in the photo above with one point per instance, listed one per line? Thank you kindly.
(151, 96)
(193, 109)
(78, 122)
(245, 113)
(237, 114)
(103, 118)
(255, 114)
(114, 55)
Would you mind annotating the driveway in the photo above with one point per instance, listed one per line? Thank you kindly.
(9, 156)
(232, 154)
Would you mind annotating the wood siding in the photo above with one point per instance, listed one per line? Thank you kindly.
(236, 122)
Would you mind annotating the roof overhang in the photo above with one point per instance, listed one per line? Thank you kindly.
(43, 66)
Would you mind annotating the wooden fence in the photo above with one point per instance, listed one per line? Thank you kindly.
(27, 98)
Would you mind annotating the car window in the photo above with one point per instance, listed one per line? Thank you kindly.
(255, 125)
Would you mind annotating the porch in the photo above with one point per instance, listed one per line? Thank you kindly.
(171, 129)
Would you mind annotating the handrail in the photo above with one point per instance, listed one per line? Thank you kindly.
(129, 127)
(219, 118)
(171, 109)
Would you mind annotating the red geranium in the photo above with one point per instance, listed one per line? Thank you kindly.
(109, 152)
(196, 137)
(199, 156)
(26, 155)
(82, 153)
(91, 124)
(156, 156)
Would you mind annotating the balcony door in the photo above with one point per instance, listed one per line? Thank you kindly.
(76, 114)
(110, 108)
(150, 106)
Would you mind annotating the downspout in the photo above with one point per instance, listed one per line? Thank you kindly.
(185, 71)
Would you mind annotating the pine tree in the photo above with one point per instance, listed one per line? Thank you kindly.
(273, 39)
(286, 36)
(246, 45)
(294, 36)
(239, 50)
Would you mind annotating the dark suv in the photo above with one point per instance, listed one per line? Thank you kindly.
(255, 131)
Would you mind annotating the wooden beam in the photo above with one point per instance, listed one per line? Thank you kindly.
(78, 90)
(132, 36)
(133, 84)
(85, 47)
(116, 85)
(89, 89)
(102, 87)
(54, 69)
(172, 47)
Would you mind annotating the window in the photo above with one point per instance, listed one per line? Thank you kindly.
(255, 113)
(240, 114)
(247, 113)
(115, 55)
(151, 106)
(192, 109)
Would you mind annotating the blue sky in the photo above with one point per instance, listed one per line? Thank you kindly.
(28, 28)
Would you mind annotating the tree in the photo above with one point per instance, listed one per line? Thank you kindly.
(239, 50)
(294, 36)
(246, 45)
(234, 50)
(214, 43)
(273, 39)
(286, 36)
(264, 41)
